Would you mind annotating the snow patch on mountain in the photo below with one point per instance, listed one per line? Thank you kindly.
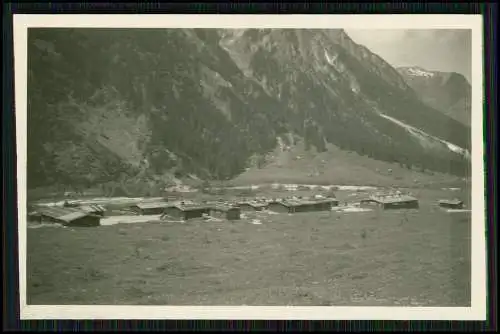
(330, 60)
(427, 138)
(339, 67)
(419, 72)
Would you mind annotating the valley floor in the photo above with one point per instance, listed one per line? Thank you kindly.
(371, 258)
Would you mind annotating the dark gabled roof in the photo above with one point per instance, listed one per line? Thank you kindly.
(153, 205)
(253, 204)
(295, 203)
(451, 201)
(34, 214)
(64, 214)
(393, 199)
(191, 207)
(92, 208)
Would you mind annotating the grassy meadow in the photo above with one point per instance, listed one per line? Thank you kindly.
(373, 258)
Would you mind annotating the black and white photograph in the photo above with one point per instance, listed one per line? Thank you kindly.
(303, 166)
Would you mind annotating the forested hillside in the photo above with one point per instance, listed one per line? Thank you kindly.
(127, 105)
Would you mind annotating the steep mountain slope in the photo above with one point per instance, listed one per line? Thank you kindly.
(132, 105)
(449, 93)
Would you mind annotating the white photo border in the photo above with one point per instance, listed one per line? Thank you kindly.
(478, 309)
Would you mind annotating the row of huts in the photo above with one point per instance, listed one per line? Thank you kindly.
(384, 201)
(90, 215)
(288, 205)
(230, 211)
(186, 211)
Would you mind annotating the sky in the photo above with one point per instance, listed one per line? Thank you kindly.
(436, 50)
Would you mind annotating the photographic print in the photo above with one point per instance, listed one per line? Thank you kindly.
(177, 166)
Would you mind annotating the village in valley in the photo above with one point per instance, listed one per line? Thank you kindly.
(212, 246)
(72, 213)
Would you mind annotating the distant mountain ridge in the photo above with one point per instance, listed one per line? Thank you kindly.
(448, 92)
(156, 104)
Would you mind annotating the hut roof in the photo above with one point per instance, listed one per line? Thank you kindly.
(91, 208)
(293, 202)
(192, 207)
(34, 214)
(64, 214)
(253, 203)
(393, 199)
(451, 201)
(153, 205)
(223, 207)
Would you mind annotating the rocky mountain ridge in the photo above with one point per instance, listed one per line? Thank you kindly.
(125, 106)
(447, 92)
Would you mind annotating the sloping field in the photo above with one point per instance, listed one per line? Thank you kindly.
(339, 167)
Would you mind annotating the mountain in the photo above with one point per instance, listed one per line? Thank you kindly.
(447, 92)
(150, 106)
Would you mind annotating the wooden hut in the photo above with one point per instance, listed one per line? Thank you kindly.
(68, 216)
(451, 204)
(186, 212)
(295, 206)
(394, 201)
(225, 211)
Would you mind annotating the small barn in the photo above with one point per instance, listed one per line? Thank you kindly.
(295, 206)
(394, 202)
(451, 204)
(186, 212)
(150, 208)
(225, 211)
(252, 206)
(68, 217)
